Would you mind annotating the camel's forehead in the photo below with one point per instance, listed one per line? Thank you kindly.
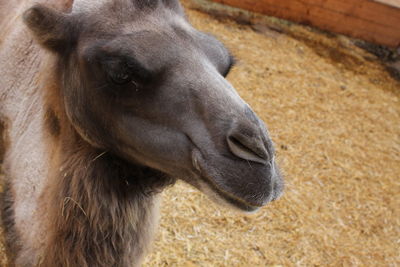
(158, 34)
(161, 21)
(126, 16)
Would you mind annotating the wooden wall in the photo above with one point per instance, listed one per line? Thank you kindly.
(376, 21)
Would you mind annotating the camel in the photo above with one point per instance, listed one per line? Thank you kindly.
(103, 104)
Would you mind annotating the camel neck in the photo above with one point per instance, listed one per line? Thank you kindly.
(101, 210)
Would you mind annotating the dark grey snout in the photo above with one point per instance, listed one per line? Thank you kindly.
(248, 140)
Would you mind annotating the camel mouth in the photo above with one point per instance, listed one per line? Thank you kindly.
(220, 194)
(236, 193)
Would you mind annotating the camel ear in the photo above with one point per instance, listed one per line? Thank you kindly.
(51, 28)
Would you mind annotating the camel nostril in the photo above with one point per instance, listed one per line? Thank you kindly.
(248, 149)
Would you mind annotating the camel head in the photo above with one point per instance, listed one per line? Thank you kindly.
(139, 81)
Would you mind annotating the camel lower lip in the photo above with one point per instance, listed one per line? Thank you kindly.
(239, 204)
(235, 202)
(201, 167)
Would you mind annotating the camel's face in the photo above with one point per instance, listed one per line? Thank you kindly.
(151, 89)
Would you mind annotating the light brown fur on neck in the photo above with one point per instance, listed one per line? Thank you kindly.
(82, 207)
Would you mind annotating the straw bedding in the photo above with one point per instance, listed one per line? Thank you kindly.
(334, 114)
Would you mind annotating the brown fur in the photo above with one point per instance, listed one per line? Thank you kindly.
(97, 209)
(2, 141)
(53, 122)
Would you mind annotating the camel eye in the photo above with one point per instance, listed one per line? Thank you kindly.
(118, 72)
(121, 78)
(121, 70)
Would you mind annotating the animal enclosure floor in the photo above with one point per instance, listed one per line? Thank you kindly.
(334, 114)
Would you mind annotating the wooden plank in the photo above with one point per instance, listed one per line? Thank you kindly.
(371, 20)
